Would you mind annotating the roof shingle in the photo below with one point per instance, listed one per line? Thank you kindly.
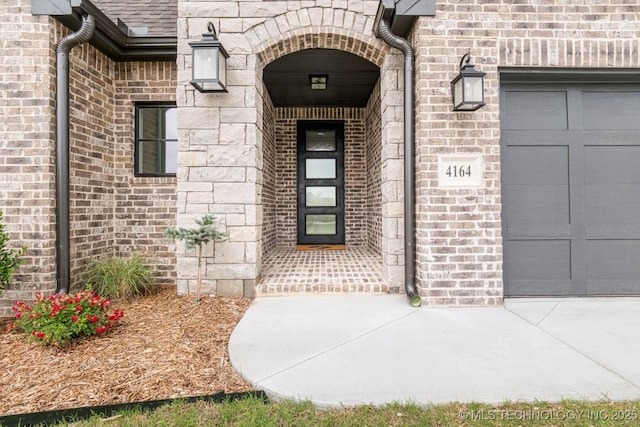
(159, 16)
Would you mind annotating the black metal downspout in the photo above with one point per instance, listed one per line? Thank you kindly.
(63, 238)
(398, 42)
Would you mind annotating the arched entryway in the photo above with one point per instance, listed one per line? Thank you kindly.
(323, 167)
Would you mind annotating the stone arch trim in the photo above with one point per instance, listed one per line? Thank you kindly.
(369, 48)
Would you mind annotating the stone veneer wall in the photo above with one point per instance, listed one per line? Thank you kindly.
(354, 166)
(27, 125)
(459, 241)
(232, 185)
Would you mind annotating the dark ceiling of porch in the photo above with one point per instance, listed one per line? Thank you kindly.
(351, 79)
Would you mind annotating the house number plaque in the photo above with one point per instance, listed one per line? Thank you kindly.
(463, 170)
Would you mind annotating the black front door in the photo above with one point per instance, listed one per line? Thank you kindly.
(320, 182)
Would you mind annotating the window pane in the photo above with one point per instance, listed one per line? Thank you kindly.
(149, 157)
(171, 159)
(321, 169)
(321, 224)
(321, 196)
(149, 123)
(321, 140)
(171, 123)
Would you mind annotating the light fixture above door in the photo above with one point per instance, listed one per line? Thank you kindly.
(318, 81)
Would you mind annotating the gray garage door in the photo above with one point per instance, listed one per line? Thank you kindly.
(571, 189)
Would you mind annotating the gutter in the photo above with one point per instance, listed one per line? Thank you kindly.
(62, 149)
(403, 45)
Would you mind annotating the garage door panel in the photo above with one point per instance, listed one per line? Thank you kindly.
(612, 164)
(537, 204)
(539, 288)
(531, 165)
(612, 204)
(536, 138)
(608, 138)
(535, 110)
(539, 259)
(611, 109)
(613, 231)
(526, 232)
(613, 259)
(609, 287)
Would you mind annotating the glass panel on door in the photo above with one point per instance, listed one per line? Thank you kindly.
(321, 168)
(321, 196)
(321, 224)
(321, 140)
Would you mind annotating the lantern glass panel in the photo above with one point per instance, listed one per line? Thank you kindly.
(205, 63)
(222, 67)
(473, 90)
(457, 93)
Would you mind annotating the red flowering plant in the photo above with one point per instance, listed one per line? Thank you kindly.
(57, 319)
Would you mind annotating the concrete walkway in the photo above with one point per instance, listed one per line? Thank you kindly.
(351, 349)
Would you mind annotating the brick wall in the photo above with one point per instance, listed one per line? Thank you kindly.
(459, 241)
(91, 161)
(286, 176)
(144, 206)
(269, 180)
(374, 173)
(27, 193)
(112, 213)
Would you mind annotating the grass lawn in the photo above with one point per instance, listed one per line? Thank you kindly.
(253, 412)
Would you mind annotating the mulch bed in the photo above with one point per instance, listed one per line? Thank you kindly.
(166, 346)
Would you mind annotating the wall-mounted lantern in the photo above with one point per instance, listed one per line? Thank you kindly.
(209, 63)
(467, 89)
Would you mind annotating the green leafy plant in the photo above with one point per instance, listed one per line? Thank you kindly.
(9, 258)
(121, 278)
(57, 319)
(195, 238)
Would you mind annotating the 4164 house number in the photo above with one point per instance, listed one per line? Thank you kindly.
(458, 171)
(464, 170)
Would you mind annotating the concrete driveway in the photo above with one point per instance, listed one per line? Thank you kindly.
(349, 349)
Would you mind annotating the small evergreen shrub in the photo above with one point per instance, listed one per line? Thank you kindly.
(206, 232)
(9, 258)
(121, 278)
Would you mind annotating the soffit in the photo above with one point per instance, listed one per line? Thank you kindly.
(351, 79)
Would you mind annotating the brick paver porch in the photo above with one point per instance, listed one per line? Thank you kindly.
(356, 269)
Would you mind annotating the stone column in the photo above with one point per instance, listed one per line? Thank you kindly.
(219, 161)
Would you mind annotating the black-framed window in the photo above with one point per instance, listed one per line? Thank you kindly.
(156, 144)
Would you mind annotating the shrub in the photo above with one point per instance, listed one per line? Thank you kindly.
(9, 258)
(121, 278)
(195, 238)
(57, 319)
